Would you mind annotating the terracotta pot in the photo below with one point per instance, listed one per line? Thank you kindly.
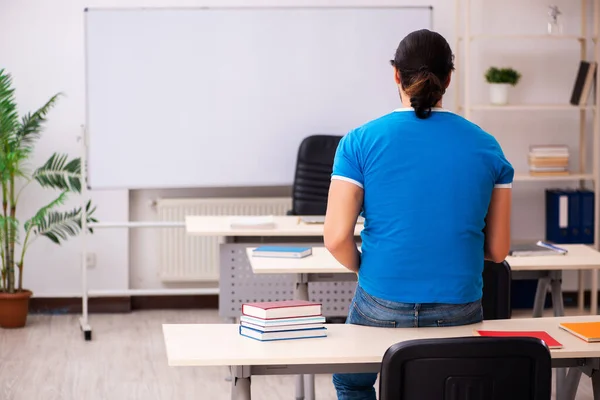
(14, 308)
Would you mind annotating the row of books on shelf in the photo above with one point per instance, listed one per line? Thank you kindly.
(282, 320)
(548, 160)
(570, 216)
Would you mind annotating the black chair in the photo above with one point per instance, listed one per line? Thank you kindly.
(497, 280)
(467, 368)
(314, 164)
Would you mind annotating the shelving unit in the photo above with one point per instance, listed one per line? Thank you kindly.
(584, 174)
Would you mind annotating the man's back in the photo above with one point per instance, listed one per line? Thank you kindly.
(427, 187)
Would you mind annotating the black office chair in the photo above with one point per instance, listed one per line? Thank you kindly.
(314, 164)
(497, 280)
(467, 368)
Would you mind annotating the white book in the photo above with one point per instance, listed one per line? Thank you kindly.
(287, 335)
(280, 328)
(282, 321)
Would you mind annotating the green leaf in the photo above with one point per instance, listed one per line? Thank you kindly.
(502, 75)
(31, 125)
(59, 226)
(59, 174)
(9, 119)
(42, 212)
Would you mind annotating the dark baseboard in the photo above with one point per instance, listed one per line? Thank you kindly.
(174, 302)
(72, 305)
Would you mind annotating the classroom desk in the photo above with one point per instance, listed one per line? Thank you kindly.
(353, 348)
(287, 226)
(287, 230)
(321, 266)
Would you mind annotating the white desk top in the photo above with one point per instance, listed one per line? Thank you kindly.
(284, 226)
(322, 262)
(222, 345)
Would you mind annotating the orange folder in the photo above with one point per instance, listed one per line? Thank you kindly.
(588, 331)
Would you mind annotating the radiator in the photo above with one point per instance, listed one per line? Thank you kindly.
(185, 258)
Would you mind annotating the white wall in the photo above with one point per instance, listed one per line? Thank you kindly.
(41, 44)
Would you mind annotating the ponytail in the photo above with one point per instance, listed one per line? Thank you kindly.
(425, 91)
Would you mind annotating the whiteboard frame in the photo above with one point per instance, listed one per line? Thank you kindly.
(86, 166)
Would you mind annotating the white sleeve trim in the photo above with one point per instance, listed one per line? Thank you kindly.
(502, 185)
(343, 178)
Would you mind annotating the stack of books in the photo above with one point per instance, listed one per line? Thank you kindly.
(282, 320)
(549, 160)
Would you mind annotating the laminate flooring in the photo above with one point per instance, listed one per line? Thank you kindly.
(126, 360)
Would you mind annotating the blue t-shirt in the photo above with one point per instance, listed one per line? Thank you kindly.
(427, 187)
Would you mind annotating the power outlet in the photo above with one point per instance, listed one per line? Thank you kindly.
(91, 260)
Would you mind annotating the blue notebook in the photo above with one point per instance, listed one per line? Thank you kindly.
(282, 251)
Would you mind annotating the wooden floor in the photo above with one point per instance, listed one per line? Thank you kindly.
(49, 360)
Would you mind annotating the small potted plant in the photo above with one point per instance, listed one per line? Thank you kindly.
(500, 79)
(17, 139)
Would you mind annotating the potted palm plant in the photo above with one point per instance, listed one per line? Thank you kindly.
(500, 79)
(18, 136)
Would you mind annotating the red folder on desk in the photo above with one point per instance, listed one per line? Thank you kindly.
(549, 340)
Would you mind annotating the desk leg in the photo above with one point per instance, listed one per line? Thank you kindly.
(300, 293)
(581, 291)
(594, 295)
(557, 296)
(309, 384)
(228, 378)
(566, 386)
(305, 384)
(596, 384)
(299, 387)
(301, 289)
(540, 297)
(240, 383)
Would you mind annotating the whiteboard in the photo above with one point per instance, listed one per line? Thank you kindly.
(221, 97)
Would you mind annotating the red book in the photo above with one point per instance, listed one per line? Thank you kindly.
(282, 309)
(549, 340)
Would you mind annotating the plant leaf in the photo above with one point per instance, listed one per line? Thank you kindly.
(42, 212)
(58, 226)
(59, 174)
(30, 127)
(9, 118)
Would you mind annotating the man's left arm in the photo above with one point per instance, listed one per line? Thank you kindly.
(344, 203)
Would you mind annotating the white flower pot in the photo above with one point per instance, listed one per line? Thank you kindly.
(499, 93)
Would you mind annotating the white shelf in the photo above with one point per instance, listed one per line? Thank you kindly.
(529, 37)
(525, 177)
(529, 107)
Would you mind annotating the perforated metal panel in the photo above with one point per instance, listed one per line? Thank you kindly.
(239, 285)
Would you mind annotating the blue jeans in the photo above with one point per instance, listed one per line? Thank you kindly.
(368, 310)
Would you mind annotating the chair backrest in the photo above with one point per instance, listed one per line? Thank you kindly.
(497, 280)
(473, 368)
(314, 164)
